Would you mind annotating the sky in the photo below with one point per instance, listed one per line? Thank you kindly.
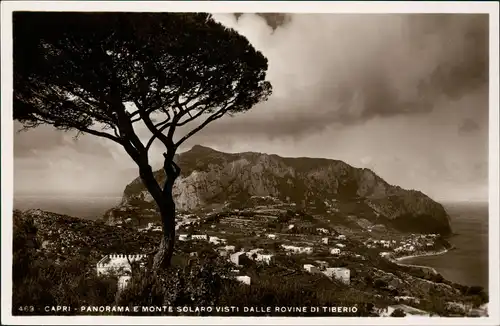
(403, 95)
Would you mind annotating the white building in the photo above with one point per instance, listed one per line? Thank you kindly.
(298, 250)
(311, 268)
(407, 298)
(321, 264)
(340, 245)
(236, 257)
(266, 259)
(271, 236)
(199, 237)
(183, 237)
(306, 250)
(123, 281)
(116, 264)
(254, 251)
(256, 255)
(244, 279)
(335, 251)
(222, 252)
(339, 273)
(385, 254)
(214, 240)
(341, 237)
(324, 241)
(230, 248)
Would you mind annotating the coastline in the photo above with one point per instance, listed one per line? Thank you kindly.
(433, 253)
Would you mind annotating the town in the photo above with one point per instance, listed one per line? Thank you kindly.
(266, 234)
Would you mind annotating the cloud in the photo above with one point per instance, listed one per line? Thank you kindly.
(46, 138)
(468, 126)
(273, 20)
(387, 92)
(329, 69)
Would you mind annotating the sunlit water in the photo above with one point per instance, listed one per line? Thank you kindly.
(468, 263)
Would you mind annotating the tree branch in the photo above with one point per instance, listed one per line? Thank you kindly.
(191, 117)
(83, 129)
(164, 121)
(156, 132)
(218, 114)
(101, 134)
(152, 139)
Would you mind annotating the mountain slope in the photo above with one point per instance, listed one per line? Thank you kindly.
(212, 177)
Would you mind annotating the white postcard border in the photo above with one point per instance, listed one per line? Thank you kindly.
(8, 7)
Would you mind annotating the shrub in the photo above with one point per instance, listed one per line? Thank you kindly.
(196, 284)
(438, 278)
(379, 283)
(40, 281)
(398, 313)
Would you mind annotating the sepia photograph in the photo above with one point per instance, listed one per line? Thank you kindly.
(221, 162)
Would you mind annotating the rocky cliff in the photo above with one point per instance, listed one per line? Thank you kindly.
(212, 177)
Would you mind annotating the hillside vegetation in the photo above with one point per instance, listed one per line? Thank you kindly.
(209, 178)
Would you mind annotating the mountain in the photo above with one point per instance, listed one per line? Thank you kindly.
(328, 186)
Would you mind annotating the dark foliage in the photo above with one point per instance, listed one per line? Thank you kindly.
(77, 71)
(39, 281)
(398, 313)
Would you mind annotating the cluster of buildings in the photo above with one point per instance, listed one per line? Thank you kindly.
(254, 254)
(150, 227)
(202, 237)
(182, 221)
(323, 231)
(297, 250)
(374, 243)
(421, 241)
(339, 273)
(413, 243)
(119, 265)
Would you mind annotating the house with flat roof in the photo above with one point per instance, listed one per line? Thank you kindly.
(339, 273)
(119, 265)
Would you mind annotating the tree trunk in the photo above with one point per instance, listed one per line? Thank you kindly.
(164, 200)
(166, 249)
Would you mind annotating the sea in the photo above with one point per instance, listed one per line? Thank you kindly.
(91, 208)
(466, 264)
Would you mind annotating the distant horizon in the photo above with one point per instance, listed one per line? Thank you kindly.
(116, 195)
(411, 122)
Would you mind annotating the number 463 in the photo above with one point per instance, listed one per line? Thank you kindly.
(26, 309)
